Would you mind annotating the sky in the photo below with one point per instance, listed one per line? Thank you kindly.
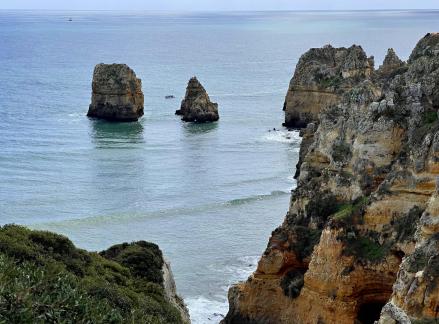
(217, 5)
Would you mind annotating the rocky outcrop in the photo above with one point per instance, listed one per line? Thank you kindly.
(392, 63)
(320, 79)
(196, 105)
(117, 93)
(362, 227)
(171, 292)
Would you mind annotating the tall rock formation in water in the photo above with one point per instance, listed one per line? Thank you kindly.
(196, 105)
(116, 93)
(362, 230)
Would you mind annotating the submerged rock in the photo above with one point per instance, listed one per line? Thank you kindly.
(196, 105)
(117, 93)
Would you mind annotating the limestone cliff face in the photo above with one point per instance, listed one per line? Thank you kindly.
(116, 93)
(362, 230)
(196, 105)
(171, 292)
(321, 77)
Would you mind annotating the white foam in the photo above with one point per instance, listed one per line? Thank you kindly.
(282, 136)
(204, 310)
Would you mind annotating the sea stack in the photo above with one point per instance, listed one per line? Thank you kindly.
(196, 105)
(117, 93)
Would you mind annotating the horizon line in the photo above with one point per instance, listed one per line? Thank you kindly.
(222, 10)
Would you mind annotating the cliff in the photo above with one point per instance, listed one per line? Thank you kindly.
(116, 93)
(196, 105)
(362, 229)
(46, 279)
(321, 77)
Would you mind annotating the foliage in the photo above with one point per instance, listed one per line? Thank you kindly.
(346, 211)
(321, 206)
(429, 117)
(365, 248)
(341, 152)
(306, 239)
(144, 259)
(29, 294)
(130, 295)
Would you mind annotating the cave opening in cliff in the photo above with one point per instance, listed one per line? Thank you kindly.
(369, 313)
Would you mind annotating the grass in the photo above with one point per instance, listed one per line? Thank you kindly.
(44, 277)
(346, 211)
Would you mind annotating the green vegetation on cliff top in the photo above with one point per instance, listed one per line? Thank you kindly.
(44, 278)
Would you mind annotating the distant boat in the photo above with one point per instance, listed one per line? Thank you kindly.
(169, 97)
(70, 19)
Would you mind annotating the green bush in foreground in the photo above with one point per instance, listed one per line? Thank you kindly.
(44, 278)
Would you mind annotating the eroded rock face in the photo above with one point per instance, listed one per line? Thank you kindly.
(321, 77)
(392, 63)
(196, 105)
(171, 292)
(117, 93)
(362, 227)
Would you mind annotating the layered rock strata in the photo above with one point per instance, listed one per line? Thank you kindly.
(116, 93)
(360, 242)
(321, 77)
(196, 105)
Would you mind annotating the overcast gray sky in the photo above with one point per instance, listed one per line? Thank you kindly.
(190, 5)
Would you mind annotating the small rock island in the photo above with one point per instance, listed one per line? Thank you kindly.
(117, 93)
(196, 105)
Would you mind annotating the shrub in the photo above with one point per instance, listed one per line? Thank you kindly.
(306, 239)
(106, 290)
(321, 206)
(29, 294)
(346, 211)
(364, 248)
(341, 152)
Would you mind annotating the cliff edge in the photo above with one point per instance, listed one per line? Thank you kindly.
(360, 241)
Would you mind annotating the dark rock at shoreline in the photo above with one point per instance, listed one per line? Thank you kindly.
(117, 93)
(196, 105)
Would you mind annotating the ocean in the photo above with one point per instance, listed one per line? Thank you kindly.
(208, 194)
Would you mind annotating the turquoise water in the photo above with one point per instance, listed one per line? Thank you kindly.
(209, 195)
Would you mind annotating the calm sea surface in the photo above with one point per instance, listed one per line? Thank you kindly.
(209, 195)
